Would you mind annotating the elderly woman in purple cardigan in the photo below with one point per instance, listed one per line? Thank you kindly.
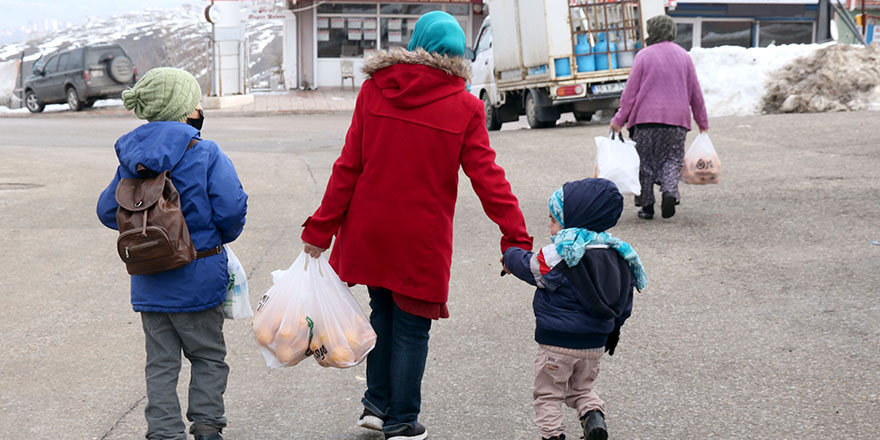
(661, 92)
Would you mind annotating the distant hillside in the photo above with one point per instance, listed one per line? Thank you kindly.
(162, 37)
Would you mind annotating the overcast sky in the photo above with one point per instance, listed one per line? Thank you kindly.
(15, 13)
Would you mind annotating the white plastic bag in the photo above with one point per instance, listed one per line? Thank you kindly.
(701, 163)
(309, 311)
(237, 304)
(618, 161)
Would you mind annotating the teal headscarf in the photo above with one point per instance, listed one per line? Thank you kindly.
(438, 32)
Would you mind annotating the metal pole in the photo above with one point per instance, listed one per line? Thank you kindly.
(864, 21)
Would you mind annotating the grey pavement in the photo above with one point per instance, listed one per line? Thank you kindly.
(761, 319)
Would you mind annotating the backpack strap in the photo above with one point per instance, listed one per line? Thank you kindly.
(192, 143)
(209, 252)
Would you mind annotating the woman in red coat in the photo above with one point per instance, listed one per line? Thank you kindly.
(390, 202)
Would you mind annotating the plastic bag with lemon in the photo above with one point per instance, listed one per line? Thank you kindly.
(309, 311)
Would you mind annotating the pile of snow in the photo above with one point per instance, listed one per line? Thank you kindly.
(834, 78)
(8, 76)
(734, 79)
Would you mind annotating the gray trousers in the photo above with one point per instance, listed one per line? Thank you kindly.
(199, 335)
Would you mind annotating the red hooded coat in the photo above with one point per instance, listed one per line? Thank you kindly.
(391, 197)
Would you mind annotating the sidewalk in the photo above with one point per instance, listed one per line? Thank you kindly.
(323, 100)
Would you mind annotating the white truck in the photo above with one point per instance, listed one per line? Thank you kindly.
(542, 58)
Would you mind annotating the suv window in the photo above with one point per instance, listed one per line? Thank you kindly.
(485, 40)
(75, 60)
(52, 65)
(64, 62)
(94, 55)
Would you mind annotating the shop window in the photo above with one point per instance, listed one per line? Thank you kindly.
(684, 36)
(346, 37)
(405, 9)
(458, 9)
(396, 32)
(771, 32)
(726, 33)
(347, 8)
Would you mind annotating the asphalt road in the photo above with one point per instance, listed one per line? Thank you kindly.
(761, 319)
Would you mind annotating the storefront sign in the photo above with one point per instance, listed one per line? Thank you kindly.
(264, 9)
(394, 37)
(323, 35)
(355, 23)
(369, 23)
(354, 35)
(369, 34)
(394, 24)
(323, 22)
(337, 23)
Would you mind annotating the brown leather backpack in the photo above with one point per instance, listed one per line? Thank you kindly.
(153, 235)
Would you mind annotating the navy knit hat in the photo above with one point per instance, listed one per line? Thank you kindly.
(593, 204)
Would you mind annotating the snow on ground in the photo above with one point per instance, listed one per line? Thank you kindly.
(734, 79)
(52, 108)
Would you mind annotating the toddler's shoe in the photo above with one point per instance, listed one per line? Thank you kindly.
(558, 437)
(215, 436)
(415, 432)
(593, 423)
(369, 420)
(647, 212)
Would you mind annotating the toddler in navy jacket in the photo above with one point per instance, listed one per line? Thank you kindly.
(584, 293)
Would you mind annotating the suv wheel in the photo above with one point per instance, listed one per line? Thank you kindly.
(73, 100)
(121, 70)
(33, 103)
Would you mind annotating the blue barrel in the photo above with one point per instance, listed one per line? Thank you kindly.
(585, 61)
(563, 67)
(602, 58)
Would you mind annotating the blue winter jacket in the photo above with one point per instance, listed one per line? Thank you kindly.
(214, 206)
(575, 307)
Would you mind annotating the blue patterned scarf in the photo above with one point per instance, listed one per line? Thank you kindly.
(571, 243)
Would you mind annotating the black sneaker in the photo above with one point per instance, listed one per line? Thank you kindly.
(667, 207)
(593, 423)
(558, 437)
(647, 212)
(215, 436)
(370, 420)
(415, 432)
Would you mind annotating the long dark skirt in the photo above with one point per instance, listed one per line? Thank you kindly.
(661, 156)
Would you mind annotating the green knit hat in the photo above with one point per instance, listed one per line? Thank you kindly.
(163, 94)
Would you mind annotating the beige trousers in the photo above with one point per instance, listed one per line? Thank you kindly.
(564, 375)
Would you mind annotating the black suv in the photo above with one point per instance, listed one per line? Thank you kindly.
(79, 77)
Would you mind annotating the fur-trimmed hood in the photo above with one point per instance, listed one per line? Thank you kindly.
(412, 79)
(457, 66)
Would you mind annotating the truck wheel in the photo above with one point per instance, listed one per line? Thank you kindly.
(493, 120)
(532, 113)
(33, 103)
(583, 116)
(73, 100)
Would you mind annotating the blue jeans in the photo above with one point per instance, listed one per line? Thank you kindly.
(396, 365)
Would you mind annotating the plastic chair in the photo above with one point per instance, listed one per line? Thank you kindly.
(347, 67)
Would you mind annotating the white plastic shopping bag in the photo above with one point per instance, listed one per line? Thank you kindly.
(701, 163)
(309, 311)
(618, 161)
(237, 304)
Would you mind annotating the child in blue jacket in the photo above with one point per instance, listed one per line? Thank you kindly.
(584, 293)
(181, 310)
